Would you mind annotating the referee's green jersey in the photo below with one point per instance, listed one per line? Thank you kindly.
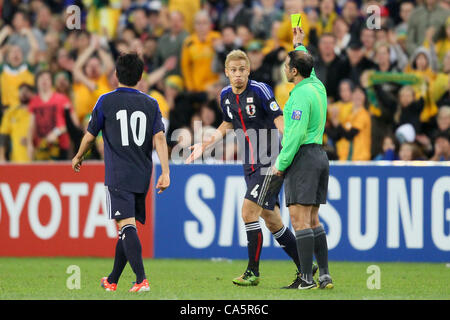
(304, 116)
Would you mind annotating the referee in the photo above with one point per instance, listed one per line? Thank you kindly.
(304, 163)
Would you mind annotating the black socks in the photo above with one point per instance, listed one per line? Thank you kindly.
(133, 251)
(305, 248)
(321, 249)
(120, 261)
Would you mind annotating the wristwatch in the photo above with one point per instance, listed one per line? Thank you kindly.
(298, 44)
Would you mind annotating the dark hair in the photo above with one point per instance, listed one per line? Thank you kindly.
(41, 73)
(129, 68)
(25, 15)
(302, 61)
(327, 34)
(349, 82)
(82, 32)
(27, 86)
(229, 26)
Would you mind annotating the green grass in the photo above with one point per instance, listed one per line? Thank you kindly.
(45, 278)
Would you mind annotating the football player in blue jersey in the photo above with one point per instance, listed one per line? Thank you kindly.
(130, 121)
(249, 107)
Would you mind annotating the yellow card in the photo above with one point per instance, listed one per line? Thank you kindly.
(296, 20)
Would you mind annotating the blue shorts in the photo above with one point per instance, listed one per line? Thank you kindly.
(122, 204)
(263, 188)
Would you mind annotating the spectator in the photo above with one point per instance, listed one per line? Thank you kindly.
(401, 30)
(12, 74)
(198, 53)
(441, 148)
(443, 122)
(90, 76)
(442, 46)
(410, 151)
(140, 23)
(24, 35)
(179, 112)
(444, 100)
(244, 35)
(274, 42)
(171, 43)
(342, 36)
(262, 67)
(213, 102)
(351, 15)
(263, 18)
(147, 50)
(390, 147)
(188, 8)
(65, 61)
(442, 128)
(236, 13)
(355, 62)
(102, 17)
(429, 15)
(353, 137)
(327, 17)
(62, 83)
(368, 40)
(441, 83)
(329, 66)
(285, 30)
(43, 18)
(382, 58)
(421, 66)
(409, 109)
(80, 43)
(223, 46)
(17, 124)
(50, 137)
(343, 107)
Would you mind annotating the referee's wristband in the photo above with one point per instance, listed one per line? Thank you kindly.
(298, 44)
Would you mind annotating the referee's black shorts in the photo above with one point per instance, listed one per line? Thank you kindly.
(306, 180)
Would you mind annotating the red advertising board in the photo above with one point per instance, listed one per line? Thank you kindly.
(46, 209)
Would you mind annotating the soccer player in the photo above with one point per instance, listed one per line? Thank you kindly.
(130, 122)
(304, 163)
(250, 105)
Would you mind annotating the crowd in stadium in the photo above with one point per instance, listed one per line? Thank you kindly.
(387, 72)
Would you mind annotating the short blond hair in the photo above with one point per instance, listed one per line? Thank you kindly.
(237, 55)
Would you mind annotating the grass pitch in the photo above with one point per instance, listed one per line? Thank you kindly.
(47, 278)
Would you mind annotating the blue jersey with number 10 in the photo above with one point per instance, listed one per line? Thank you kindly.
(128, 119)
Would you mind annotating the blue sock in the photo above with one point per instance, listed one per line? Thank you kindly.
(287, 241)
(120, 261)
(133, 251)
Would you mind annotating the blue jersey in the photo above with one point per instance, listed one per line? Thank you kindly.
(128, 119)
(252, 114)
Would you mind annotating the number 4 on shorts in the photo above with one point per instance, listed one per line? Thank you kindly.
(254, 192)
